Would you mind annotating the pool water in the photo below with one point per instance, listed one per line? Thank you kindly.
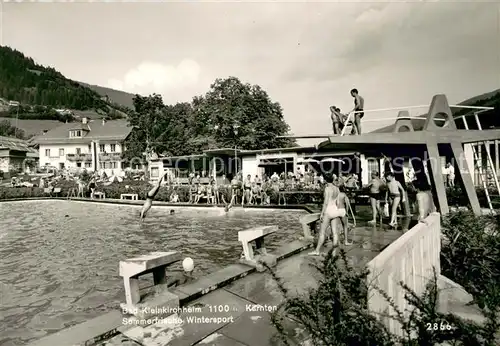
(59, 259)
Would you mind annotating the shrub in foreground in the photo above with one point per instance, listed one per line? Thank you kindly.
(470, 256)
(336, 313)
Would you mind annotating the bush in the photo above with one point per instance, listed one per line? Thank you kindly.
(458, 198)
(470, 256)
(336, 313)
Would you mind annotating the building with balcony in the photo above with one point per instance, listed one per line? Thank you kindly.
(93, 145)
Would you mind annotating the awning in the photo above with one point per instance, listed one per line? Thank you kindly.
(307, 160)
(273, 162)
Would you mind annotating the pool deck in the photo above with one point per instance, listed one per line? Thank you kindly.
(307, 207)
(237, 292)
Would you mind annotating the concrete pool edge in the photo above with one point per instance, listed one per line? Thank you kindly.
(305, 207)
(110, 324)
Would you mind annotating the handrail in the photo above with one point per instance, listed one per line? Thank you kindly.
(481, 110)
(421, 106)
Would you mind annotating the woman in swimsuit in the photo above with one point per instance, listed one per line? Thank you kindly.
(331, 212)
(396, 192)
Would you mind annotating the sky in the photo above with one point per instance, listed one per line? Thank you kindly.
(306, 55)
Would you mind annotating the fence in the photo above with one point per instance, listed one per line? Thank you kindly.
(411, 259)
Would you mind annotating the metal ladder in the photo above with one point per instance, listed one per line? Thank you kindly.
(490, 167)
(348, 123)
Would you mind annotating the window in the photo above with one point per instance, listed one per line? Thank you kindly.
(112, 165)
(88, 165)
(78, 164)
(373, 165)
(155, 172)
(78, 151)
(102, 165)
(113, 148)
(47, 152)
(102, 148)
(61, 152)
(90, 148)
(75, 133)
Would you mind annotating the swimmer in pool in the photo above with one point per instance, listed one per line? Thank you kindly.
(149, 198)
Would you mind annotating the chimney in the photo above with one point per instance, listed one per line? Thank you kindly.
(84, 120)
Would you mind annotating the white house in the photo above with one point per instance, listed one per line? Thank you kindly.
(93, 145)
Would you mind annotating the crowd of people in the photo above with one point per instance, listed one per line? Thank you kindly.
(255, 189)
(387, 190)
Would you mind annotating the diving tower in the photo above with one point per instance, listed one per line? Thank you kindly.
(438, 137)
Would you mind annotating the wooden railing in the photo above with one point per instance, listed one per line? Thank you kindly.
(411, 259)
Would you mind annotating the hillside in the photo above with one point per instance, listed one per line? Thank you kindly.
(40, 90)
(24, 81)
(115, 96)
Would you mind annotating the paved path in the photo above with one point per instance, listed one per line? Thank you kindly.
(241, 321)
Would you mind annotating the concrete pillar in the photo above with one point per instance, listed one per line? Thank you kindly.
(364, 171)
(95, 155)
(465, 177)
(436, 174)
(469, 158)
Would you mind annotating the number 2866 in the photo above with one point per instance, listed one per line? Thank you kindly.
(439, 326)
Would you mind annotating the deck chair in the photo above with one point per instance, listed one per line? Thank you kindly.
(57, 191)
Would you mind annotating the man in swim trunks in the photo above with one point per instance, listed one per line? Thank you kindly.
(235, 187)
(247, 190)
(331, 211)
(396, 192)
(359, 104)
(149, 198)
(375, 196)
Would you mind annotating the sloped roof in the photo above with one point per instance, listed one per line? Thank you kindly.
(111, 130)
(13, 144)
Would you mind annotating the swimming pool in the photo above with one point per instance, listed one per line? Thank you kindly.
(59, 259)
